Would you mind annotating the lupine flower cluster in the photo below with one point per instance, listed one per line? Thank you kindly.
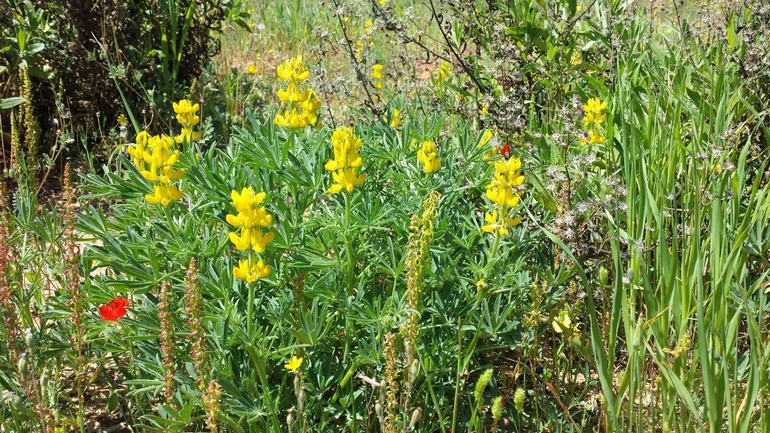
(154, 158)
(396, 121)
(302, 103)
(592, 122)
(428, 156)
(503, 191)
(251, 219)
(186, 115)
(346, 161)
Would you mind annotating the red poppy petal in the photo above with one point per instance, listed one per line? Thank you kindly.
(115, 309)
(119, 303)
(109, 314)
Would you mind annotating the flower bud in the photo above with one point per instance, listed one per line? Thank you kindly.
(415, 418)
(17, 405)
(604, 275)
(23, 365)
(414, 368)
(29, 338)
(44, 381)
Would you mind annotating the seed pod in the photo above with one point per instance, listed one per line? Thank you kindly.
(29, 338)
(23, 365)
(415, 418)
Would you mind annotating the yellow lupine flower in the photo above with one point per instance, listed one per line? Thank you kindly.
(428, 156)
(377, 76)
(251, 273)
(502, 190)
(293, 70)
(395, 121)
(594, 111)
(163, 195)
(186, 113)
(346, 160)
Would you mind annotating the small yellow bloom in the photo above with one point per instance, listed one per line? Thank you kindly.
(377, 71)
(163, 195)
(251, 69)
(293, 70)
(395, 121)
(428, 156)
(594, 112)
(293, 364)
(251, 273)
(122, 121)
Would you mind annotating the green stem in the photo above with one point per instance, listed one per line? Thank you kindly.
(250, 305)
(493, 252)
(350, 278)
(349, 246)
(457, 374)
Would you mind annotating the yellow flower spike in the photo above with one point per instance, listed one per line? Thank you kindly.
(428, 156)
(346, 160)
(293, 364)
(377, 76)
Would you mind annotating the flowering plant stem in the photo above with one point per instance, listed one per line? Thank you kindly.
(250, 305)
(350, 278)
(349, 246)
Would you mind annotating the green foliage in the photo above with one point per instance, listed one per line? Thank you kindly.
(631, 296)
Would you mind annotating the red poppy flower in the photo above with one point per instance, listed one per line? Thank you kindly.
(505, 150)
(114, 310)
